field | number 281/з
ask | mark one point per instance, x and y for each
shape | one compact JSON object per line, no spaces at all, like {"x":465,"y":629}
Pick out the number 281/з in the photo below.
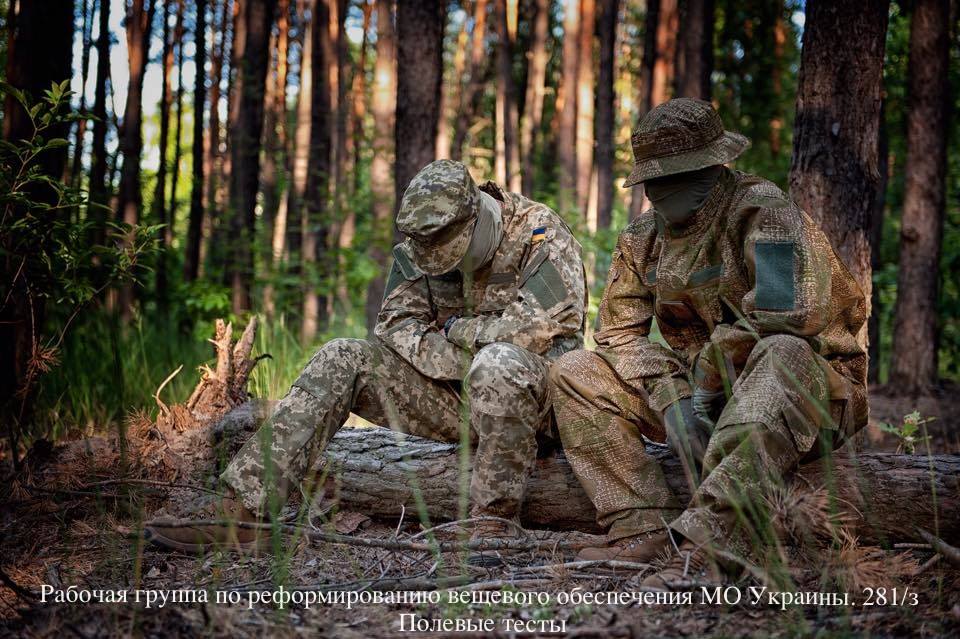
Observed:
{"x":890,"y":597}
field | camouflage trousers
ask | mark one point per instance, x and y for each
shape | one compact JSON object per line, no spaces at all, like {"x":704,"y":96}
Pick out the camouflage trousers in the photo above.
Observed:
{"x":771,"y":421}
{"x":503,"y":407}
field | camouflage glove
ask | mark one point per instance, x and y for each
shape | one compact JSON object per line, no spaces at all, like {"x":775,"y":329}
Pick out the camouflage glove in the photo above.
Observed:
{"x":687,"y":434}
{"x":706,"y":404}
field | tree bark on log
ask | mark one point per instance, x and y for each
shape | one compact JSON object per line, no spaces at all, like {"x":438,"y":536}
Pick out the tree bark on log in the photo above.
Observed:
{"x":378,"y":471}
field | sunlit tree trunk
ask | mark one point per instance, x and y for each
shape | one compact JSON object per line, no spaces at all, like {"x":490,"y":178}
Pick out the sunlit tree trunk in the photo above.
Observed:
{"x":450,"y":92}
{"x":191,"y":260}
{"x":913,"y":367}
{"x":130,"y":201}
{"x":567,"y":106}
{"x":300,"y":155}
{"x":76,"y":166}
{"x":638,"y":202}
{"x":314,"y":251}
{"x":585,"y":108}
{"x":470,"y":96}
{"x":668,"y":22}
{"x":779,"y":42}
{"x":696,"y":49}
{"x":178,"y":135}
{"x":381,"y":182}
{"x":251,"y":42}
{"x":98,"y":145}
{"x":359,"y":96}
{"x":506,"y":160}
{"x":609,"y":10}
{"x":536,"y":89}
{"x":213,"y":160}
{"x":159,"y":206}
{"x":834,"y":174}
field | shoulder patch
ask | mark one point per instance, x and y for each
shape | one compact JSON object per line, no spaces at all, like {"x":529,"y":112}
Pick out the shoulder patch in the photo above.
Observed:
{"x":774,"y":276}
{"x":538,"y":234}
{"x":546,"y":285}
{"x":405,"y":262}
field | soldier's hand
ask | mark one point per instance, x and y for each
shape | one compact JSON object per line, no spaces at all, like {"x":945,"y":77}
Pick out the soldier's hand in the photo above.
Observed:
{"x":705,"y":404}
{"x":687,"y":434}
{"x":449,"y":324}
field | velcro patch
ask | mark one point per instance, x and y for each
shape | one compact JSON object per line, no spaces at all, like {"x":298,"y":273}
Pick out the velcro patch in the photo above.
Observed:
{"x":775,"y":276}
{"x":407,"y":267}
{"x":704,"y":275}
{"x":396,"y":279}
{"x":546,"y":285}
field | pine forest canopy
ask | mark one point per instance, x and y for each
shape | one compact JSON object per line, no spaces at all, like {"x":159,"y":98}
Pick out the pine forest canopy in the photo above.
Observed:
{"x":238,"y":156}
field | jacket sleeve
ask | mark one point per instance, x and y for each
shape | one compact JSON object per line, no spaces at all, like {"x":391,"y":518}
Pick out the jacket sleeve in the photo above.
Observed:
{"x":789,"y":271}
{"x":406,"y":324}
{"x":550,"y":302}
{"x":623,"y":339}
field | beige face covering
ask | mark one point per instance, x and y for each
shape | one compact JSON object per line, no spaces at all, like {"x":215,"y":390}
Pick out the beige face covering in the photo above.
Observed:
{"x":677,"y":197}
{"x":487,"y":233}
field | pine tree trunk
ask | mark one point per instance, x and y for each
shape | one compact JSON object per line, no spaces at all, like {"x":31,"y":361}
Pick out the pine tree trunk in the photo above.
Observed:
{"x":191,"y":261}
{"x":76,"y":167}
{"x":668,"y":23}
{"x":130,"y":200}
{"x":536,"y":89}
{"x":913,"y":367}
{"x":506,"y":166}
{"x":645,"y":98}
{"x":178,"y":134}
{"x":381,"y":184}
{"x":696,"y":45}
{"x":359,"y":97}
{"x":609,"y":10}
{"x":470,"y":96}
{"x":251,"y":42}
{"x":876,"y":237}
{"x":567,"y":107}
{"x":420,"y":27}
{"x":98,"y":148}
{"x":835,"y":165}
{"x":300,"y":155}
{"x":585,"y":108}
{"x":159,"y":206}
{"x":316,"y":215}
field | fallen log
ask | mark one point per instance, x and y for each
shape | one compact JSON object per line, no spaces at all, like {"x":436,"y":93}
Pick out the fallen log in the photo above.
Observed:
{"x":380,"y":472}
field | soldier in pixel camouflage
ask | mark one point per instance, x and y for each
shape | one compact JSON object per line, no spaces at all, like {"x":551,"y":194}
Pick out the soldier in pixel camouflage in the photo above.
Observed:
{"x":485,"y":292}
{"x":759,"y":364}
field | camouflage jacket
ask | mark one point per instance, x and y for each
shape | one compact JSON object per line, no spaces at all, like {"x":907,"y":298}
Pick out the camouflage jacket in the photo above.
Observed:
{"x":532,"y":294}
{"x":749,"y":263}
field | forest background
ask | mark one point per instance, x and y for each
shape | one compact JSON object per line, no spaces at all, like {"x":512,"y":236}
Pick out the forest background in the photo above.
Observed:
{"x":144,"y":199}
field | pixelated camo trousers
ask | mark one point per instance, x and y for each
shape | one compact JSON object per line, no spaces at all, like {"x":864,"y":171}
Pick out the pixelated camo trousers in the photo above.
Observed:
{"x":504,"y":405}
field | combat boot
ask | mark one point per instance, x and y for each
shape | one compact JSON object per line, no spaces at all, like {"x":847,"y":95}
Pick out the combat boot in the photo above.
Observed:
{"x":200,"y":539}
{"x":637,"y":548}
{"x":692,"y":565}
{"x":492,"y":530}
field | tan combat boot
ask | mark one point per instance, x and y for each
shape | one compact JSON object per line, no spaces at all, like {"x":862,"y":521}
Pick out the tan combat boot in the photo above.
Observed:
{"x":200,"y":539}
{"x":637,"y":548}
{"x":491,"y":530}
{"x":692,"y":565}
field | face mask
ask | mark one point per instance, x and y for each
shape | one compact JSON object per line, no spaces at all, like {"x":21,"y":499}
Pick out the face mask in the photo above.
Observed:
{"x":487,"y":233}
{"x":677,"y":197}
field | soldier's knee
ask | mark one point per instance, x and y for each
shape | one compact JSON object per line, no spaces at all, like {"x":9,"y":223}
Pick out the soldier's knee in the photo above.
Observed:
{"x":787,"y":347}
{"x":571,"y":365}
{"x":344,"y":350}
{"x":341,"y":357}
{"x":500,"y":364}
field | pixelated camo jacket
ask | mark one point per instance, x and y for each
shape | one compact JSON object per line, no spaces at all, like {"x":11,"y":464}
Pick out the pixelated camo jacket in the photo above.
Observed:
{"x":749,"y":264}
{"x":533,"y":295}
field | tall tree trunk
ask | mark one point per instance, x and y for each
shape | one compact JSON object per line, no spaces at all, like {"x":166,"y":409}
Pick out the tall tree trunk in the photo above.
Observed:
{"x":876,"y":238}
{"x":76,"y":169}
{"x":450,"y":90}
{"x":913,"y":367}
{"x":381,"y":184}
{"x":506,"y":165}
{"x":300,"y":156}
{"x":251,"y":42}
{"x":645,"y":97}
{"x":696,"y":47}
{"x":359,"y":91}
{"x":191,"y":261}
{"x":419,"y":74}
{"x":178,"y":34}
{"x":609,"y":9}
{"x":567,"y":106}
{"x":536,"y":89}
{"x":585,"y":109}
{"x":779,"y":43}
{"x":213,"y":158}
{"x":98,"y":148}
{"x":39,"y":50}
{"x":158,"y":206}
{"x":343,"y":189}
{"x":834,"y":174}
{"x":470,"y":96}
{"x":130,"y":201}
{"x":668,"y":22}
{"x":316,"y":216}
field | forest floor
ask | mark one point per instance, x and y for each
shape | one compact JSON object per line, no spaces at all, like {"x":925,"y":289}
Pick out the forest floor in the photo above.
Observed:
{"x":65,"y":533}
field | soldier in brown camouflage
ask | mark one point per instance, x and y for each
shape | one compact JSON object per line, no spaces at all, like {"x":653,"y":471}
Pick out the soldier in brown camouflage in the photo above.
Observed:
{"x":485,"y":292}
{"x":757,"y":365}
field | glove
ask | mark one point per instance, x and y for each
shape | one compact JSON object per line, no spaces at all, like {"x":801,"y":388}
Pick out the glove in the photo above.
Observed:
{"x":688,"y":436}
{"x":449,"y":324}
{"x":705,"y":405}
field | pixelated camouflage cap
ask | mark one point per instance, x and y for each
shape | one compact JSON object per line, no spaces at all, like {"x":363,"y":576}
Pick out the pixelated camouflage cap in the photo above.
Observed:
{"x":683,"y":134}
{"x":437,"y":214}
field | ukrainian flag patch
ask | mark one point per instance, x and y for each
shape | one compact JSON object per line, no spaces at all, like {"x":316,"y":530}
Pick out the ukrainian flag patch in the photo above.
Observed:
{"x":538,"y":234}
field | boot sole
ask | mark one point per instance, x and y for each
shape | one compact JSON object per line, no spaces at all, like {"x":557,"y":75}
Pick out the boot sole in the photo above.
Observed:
{"x":261,"y":544}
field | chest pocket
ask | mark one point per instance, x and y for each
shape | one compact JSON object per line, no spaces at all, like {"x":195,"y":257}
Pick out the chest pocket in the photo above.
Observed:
{"x":446,"y":291}
{"x":501,"y":290}
{"x":703,"y":289}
